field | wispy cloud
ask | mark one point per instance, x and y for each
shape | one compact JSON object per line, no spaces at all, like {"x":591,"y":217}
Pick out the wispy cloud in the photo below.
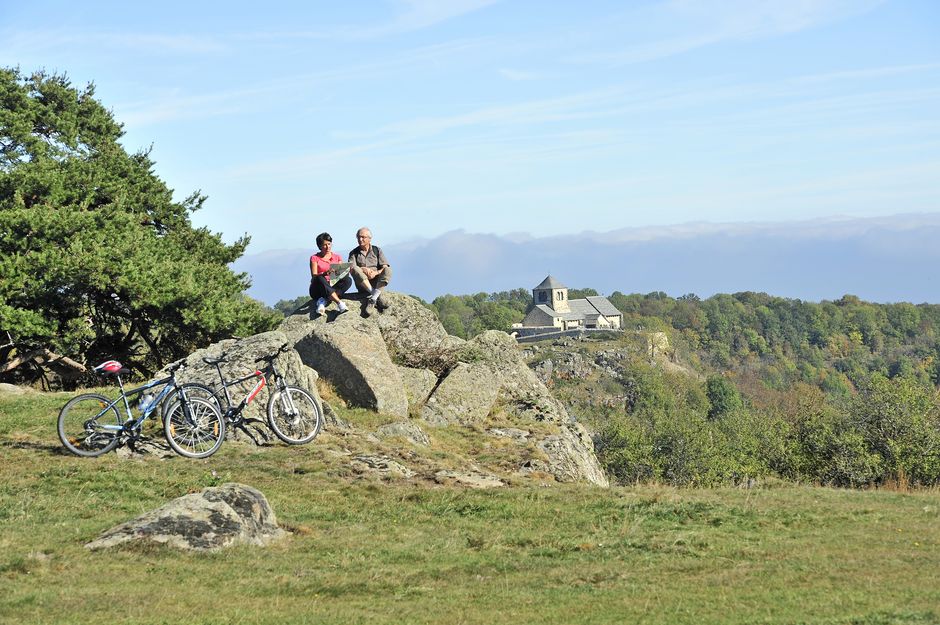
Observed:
{"x":37,"y":41}
{"x":419,"y":14}
{"x":175,"y":105}
{"x":291,"y":167}
{"x":408,"y":16}
{"x":679,"y":26}
{"x":528,"y":112}
{"x":769,"y":113}
{"x":517,"y":75}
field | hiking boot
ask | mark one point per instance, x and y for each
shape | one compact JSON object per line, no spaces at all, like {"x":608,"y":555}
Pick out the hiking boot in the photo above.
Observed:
{"x":367,"y":305}
{"x":321,"y":306}
{"x":380,"y":304}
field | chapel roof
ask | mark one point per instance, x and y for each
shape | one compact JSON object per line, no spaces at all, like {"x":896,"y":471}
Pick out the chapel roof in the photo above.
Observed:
{"x":551,"y":283}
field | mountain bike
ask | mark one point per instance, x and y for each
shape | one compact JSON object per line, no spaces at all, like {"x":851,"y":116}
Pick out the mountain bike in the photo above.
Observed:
{"x":293,"y":414}
{"x":91,"y":424}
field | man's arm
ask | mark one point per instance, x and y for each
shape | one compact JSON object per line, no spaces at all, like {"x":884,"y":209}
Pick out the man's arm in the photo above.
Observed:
{"x":368,"y":272}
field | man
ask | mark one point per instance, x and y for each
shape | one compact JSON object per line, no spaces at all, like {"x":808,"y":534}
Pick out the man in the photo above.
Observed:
{"x":370,"y":271}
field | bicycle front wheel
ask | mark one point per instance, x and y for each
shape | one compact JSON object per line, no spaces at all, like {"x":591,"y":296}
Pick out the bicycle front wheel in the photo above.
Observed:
{"x":198,"y":434}
{"x":82,"y":425}
{"x":294,"y":415}
{"x":193,"y":390}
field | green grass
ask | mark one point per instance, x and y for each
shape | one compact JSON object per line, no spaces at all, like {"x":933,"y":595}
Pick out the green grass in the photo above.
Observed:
{"x":366,"y":550}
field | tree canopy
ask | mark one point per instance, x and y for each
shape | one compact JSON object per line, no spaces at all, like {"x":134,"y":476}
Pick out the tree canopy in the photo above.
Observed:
{"x":98,"y":259}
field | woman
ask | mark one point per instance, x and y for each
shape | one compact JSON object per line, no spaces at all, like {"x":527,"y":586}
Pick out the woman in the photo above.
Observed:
{"x":320,"y":288}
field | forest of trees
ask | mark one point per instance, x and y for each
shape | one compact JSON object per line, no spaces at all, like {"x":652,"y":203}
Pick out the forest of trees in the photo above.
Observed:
{"x":833,"y":345}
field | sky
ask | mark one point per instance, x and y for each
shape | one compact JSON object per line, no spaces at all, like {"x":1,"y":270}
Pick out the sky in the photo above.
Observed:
{"x":421,"y":117}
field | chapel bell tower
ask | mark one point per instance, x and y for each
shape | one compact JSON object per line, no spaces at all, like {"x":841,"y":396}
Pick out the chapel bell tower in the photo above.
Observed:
{"x":553,"y":294}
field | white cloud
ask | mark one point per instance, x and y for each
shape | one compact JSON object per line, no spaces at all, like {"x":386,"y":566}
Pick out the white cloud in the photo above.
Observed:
{"x":174,"y":105}
{"x":409,"y":16}
{"x":40,"y":41}
{"x":683,"y":25}
{"x":517,"y":75}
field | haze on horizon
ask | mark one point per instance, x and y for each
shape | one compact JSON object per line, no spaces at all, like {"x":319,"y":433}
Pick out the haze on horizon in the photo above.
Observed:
{"x":419,"y":117}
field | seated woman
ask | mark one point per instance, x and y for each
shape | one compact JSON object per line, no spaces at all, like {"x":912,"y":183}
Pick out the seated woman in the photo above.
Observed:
{"x":320,"y":288}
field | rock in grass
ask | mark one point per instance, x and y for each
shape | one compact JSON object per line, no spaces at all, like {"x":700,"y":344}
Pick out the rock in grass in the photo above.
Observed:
{"x":12,"y":389}
{"x":381,"y":465}
{"x":212,"y":519}
{"x":406,"y":430}
{"x":471,"y":479}
{"x":567,"y":459}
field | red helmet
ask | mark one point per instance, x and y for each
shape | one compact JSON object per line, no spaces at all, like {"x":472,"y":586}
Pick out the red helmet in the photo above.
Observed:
{"x":108,"y":366}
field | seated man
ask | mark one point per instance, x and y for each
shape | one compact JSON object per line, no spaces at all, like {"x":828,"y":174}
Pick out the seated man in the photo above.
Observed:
{"x":370,"y":271}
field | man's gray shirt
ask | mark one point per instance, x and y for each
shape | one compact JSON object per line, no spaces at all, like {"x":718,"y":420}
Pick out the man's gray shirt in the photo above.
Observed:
{"x":375,"y":257}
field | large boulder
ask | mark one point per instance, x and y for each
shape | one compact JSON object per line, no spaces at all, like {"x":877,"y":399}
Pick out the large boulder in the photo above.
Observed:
{"x":518,"y":384}
{"x":465,"y":396}
{"x":485,"y":368}
{"x":214,"y":518}
{"x":241,"y":359}
{"x":418,"y":384}
{"x":414,"y":335}
{"x":349,"y":352}
{"x":570,"y":456}
{"x":446,"y":379}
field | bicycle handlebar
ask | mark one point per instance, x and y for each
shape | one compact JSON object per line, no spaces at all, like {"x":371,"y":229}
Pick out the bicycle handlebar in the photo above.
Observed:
{"x":282,"y":349}
{"x":171,"y":369}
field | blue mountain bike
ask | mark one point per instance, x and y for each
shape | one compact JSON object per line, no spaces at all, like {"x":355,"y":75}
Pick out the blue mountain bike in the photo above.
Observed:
{"x":92,"y":425}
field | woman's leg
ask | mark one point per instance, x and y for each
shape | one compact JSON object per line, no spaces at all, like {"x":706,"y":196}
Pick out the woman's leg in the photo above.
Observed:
{"x":338,"y":289}
{"x":320,"y":287}
{"x":342,"y":286}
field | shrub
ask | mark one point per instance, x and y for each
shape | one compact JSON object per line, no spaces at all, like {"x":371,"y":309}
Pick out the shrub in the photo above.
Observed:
{"x":898,"y":419}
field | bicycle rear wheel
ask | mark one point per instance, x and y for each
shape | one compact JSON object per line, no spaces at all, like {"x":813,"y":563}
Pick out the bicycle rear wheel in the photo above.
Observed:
{"x":294,"y":415}
{"x":81,"y":425}
{"x":198,"y":434}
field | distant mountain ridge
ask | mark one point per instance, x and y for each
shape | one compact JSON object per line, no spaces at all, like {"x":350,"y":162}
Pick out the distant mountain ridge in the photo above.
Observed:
{"x":882,"y":259}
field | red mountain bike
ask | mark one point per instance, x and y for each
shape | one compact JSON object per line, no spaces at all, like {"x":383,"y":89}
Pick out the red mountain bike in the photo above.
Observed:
{"x":293,"y":414}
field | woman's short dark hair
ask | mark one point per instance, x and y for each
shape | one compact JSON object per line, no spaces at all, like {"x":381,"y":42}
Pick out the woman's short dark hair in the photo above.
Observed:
{"x":323,"y":236}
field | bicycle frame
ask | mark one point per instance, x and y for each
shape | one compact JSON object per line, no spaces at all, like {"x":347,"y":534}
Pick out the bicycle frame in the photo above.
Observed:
{"x":262,"y":381}
{"x":134,"y":392}
{"x":232,"y":411}
{"x":130,"y":423}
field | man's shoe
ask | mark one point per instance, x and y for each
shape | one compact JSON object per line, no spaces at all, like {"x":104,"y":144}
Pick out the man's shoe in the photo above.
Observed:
{"x":380,"y":304}
{"x":367,"y":305}
{"x":321,"y":306}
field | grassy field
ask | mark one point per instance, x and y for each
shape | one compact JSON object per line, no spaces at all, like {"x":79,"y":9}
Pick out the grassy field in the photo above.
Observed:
{"x":366,"y":550}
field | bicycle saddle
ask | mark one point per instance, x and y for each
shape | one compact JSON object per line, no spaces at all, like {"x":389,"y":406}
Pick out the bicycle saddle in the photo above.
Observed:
{"x":214,"y":361}
{"x":111,"y":367}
